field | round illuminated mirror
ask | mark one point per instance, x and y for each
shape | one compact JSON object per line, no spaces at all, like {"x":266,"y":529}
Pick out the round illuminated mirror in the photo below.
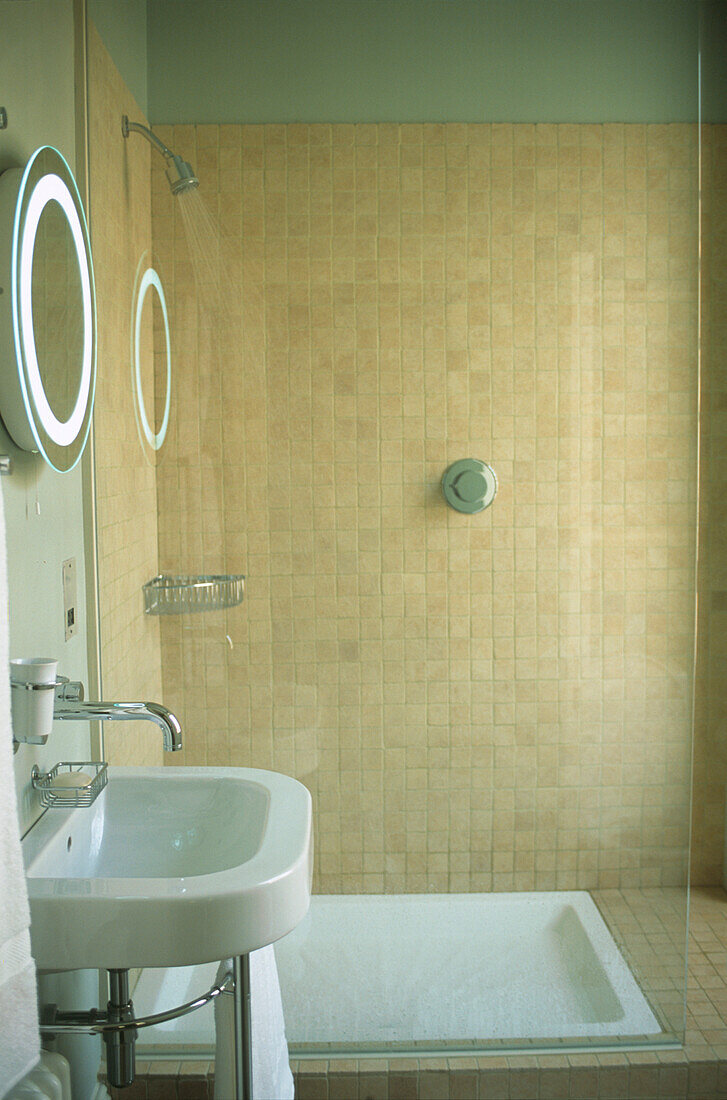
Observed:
{"x":47,"y":310}
{"x":151,"y":359}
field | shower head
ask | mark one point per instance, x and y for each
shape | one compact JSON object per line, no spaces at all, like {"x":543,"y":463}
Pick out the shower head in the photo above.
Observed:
{"x":179,"y":172}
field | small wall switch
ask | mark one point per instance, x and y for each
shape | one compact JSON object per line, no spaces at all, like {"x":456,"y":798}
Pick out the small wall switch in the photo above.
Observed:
{"x":70,"y":606}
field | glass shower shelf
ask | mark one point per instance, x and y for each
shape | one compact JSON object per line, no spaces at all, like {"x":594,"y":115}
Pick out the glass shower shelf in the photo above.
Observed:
{"x":171,"y":595}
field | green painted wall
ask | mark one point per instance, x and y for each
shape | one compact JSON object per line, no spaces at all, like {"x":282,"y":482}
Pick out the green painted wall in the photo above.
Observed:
{"x":43,"y":509}
{"x":122,"y":26}
{"x":713,"y":43}
{"x":422,"y":60}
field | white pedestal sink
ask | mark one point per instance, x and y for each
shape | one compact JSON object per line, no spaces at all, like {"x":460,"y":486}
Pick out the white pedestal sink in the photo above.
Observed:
{"x":170,"y":867}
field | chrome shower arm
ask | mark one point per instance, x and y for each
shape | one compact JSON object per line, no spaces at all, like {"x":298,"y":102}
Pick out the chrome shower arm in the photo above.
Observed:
{"x":127,"y":127}
{"x":180,"y":172}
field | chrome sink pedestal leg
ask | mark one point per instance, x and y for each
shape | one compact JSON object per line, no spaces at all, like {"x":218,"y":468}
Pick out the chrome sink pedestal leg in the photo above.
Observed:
{"x":120,"y":1057}
{"x":243,"y":1028}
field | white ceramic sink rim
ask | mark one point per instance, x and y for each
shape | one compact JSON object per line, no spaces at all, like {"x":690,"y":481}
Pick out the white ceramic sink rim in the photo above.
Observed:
{"x":99,"y":920}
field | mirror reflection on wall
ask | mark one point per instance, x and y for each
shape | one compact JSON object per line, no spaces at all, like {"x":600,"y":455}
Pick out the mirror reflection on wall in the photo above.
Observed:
{"x":151,"y":356}
{"x":57,"y":305}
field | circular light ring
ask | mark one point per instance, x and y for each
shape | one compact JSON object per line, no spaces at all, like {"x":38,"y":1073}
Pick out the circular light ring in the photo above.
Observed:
{"x":150,"y":279}
{"x":48,"y":178}
{"x":51,"y":188}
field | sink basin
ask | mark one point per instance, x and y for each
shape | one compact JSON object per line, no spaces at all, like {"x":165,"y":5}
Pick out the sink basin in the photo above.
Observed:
{"x":170,"y":867}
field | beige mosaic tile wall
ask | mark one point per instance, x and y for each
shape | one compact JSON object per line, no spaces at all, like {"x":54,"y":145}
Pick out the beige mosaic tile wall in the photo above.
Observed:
{"x":710,"y":743}
{"x":477,"y":703}
{"x":125,"y":479}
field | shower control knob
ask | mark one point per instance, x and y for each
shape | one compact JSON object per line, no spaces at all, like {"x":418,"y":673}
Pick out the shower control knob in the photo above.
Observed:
{"x":469,"y":485}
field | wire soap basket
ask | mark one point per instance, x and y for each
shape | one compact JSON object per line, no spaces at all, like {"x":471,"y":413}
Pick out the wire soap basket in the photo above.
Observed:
{"x":169,"y":595}
{"x":70,"y":783}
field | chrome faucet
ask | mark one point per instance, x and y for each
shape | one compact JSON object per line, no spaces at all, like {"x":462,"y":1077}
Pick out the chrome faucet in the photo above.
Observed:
{"x":70,"y":706}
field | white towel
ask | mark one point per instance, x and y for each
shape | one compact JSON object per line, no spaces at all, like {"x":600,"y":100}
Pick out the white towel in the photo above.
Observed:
{"x":271,"y":1076}
{"x":19,"y":1036}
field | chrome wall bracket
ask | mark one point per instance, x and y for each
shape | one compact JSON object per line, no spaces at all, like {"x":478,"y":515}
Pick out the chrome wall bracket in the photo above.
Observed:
{"x":96,"y":1022}
{"x":118,"y":1027}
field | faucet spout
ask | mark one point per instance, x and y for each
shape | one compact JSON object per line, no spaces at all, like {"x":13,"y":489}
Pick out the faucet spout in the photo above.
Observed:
{"x":70,"y":707}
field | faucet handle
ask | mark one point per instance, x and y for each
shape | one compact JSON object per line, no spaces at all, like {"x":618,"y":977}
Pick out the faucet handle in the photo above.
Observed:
{"x":69,"y":691}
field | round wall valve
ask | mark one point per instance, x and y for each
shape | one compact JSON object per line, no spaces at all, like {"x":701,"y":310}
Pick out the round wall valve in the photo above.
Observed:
{"x":469,"y":485}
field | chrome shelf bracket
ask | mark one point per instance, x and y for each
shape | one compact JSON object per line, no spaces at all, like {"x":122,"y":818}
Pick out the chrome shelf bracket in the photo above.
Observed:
{"x":118,"y":1027}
